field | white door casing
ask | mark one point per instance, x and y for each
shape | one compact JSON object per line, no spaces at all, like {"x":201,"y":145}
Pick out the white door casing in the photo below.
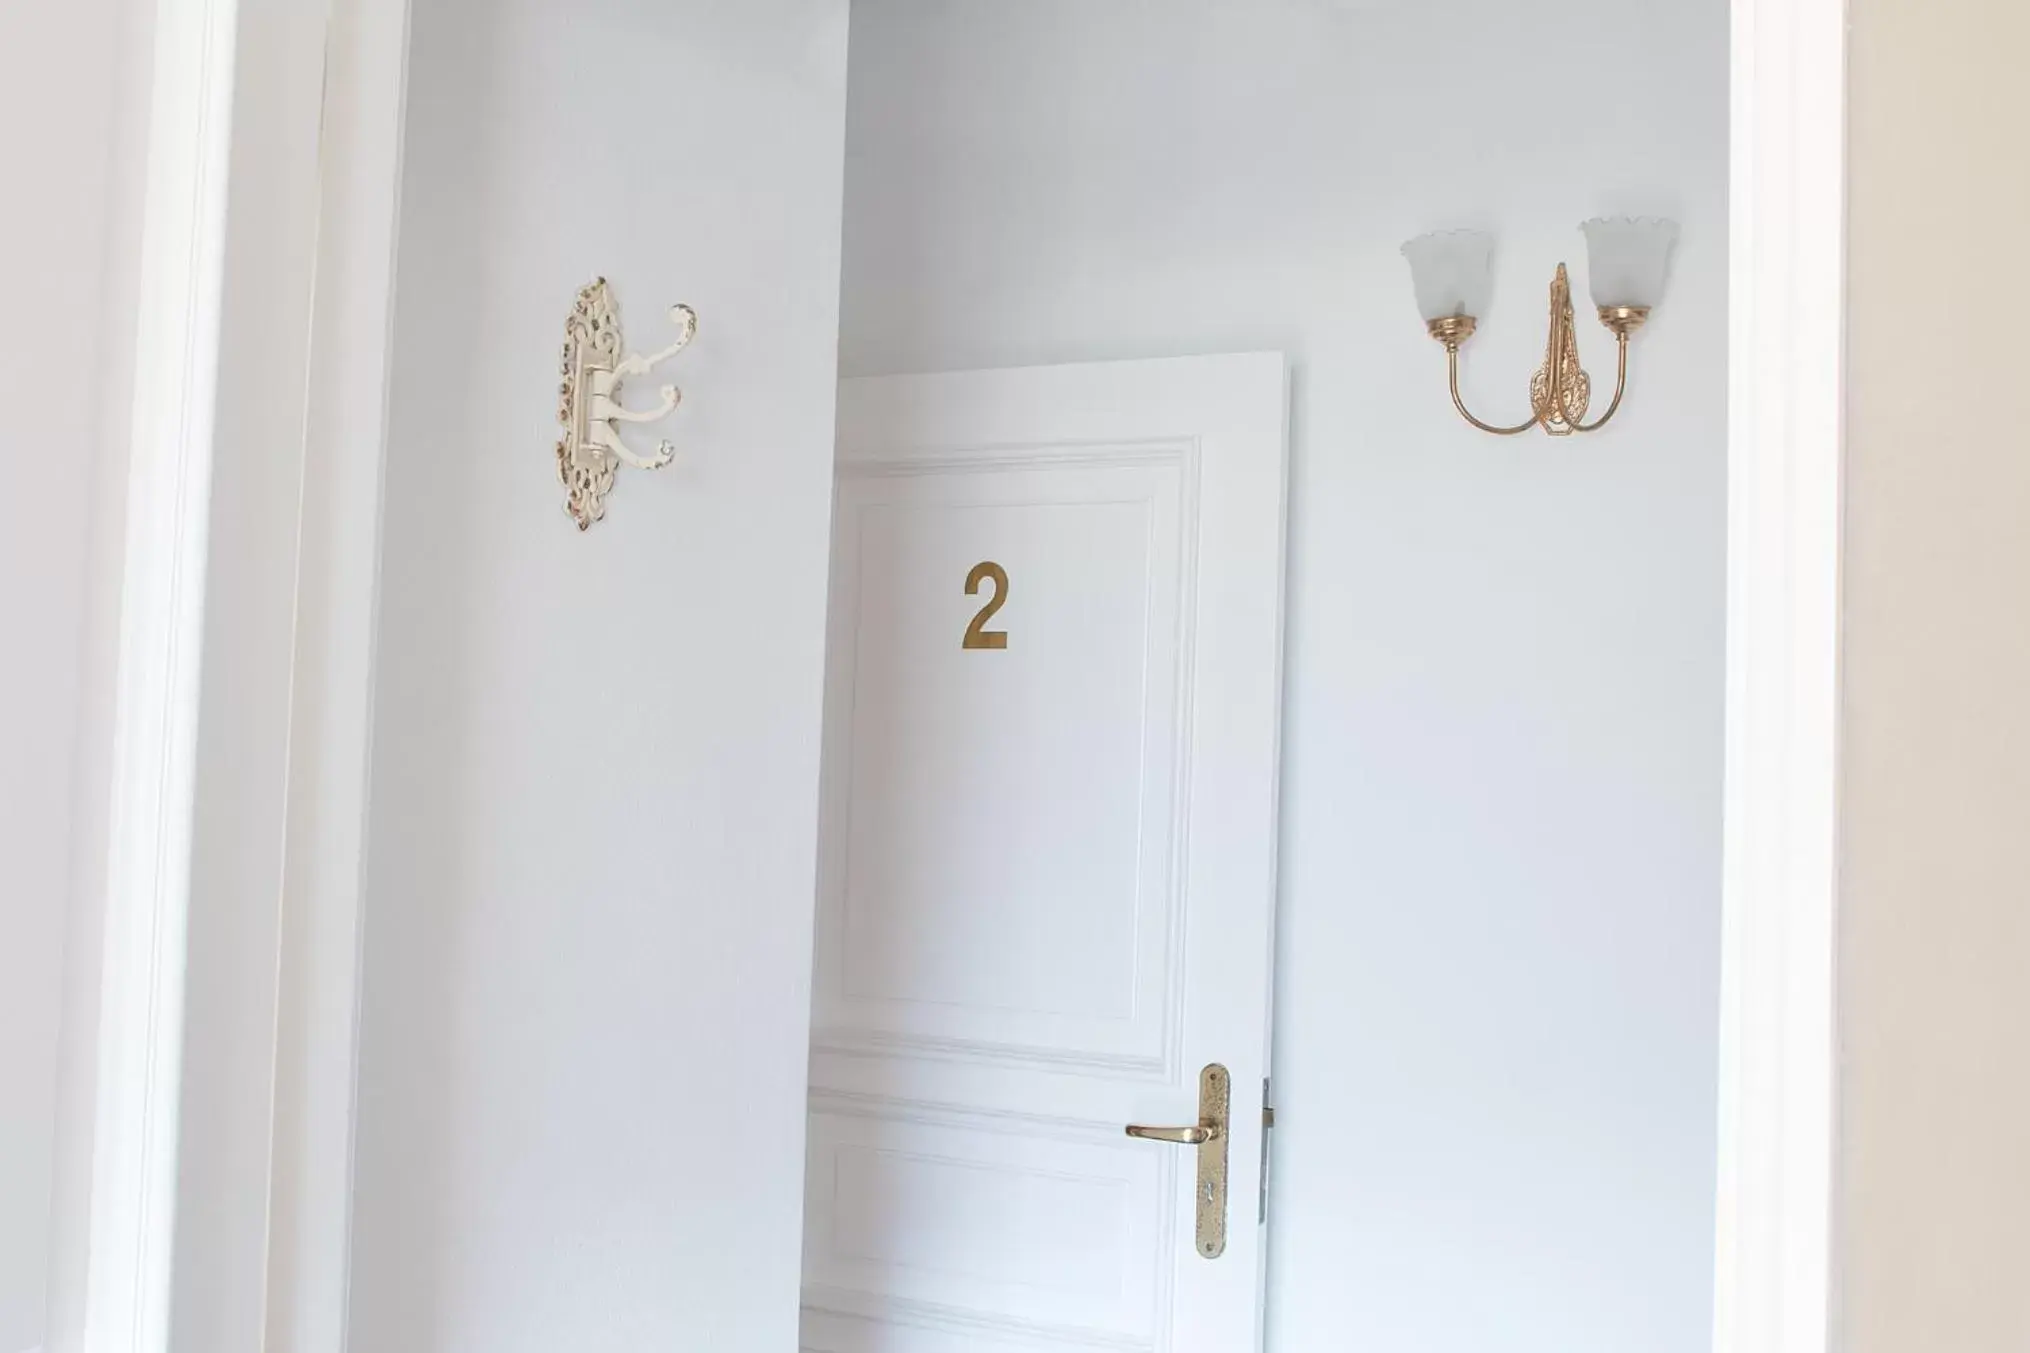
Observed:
{"x":1047,"y":869}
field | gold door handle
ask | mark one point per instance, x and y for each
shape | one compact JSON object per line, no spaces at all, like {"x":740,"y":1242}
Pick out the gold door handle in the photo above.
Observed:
{"x":1208,"y":1134}
{"x":1196,"y":1135}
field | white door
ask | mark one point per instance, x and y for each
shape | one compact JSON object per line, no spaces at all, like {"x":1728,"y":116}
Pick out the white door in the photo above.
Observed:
{"x":1047,"y":859}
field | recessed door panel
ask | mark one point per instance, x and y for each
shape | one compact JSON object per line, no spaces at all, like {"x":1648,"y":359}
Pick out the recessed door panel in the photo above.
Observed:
{"x":1002,"y":875}
{"x":949,"y":1215}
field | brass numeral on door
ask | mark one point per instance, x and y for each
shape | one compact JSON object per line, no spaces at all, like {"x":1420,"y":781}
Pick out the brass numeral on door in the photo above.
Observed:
{"x":977,"y":633}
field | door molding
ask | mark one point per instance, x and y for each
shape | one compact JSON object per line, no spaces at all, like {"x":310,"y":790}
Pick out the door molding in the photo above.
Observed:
{"x":345,"y":434}
{"x":1773,"y":1266}
{"x":249,"y":438}
{"x":114,"y":1211}
{"x":1773,"y":1270}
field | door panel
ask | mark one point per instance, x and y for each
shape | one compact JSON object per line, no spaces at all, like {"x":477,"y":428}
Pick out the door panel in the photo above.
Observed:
{"x":1046,"y":868}
{"x":1065,"y":744}
{"x":956,"y":1212}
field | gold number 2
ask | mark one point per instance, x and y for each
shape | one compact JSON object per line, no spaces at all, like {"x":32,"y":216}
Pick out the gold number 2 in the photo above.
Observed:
{"x":977,"y":635}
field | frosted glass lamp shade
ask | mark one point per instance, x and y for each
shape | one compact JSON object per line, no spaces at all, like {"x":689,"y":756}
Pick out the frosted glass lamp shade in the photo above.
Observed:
{"x":1452,"y":272}
{"x":1626,"y":259}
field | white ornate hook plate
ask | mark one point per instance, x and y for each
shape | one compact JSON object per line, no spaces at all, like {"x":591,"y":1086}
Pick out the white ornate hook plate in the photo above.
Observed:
{"x":588,"y":402}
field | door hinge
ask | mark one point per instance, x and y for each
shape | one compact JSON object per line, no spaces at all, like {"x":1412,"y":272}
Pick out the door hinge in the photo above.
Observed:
{"x":1268,"y":1123}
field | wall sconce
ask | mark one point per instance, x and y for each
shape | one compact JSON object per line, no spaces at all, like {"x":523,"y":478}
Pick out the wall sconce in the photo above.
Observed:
{"x":1626,"y":261}
{"x":588,"y":401}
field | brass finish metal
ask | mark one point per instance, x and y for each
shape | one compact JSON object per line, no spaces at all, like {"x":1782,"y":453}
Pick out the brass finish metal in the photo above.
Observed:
{"x":1623,"y":320}
{"x":1214,"y":1095}
{"x":1452,"y":368}
{"x":977,"y":635}
{"x":1180,"y":1136}
{"x":1452,"y":330}
{"x":1560,"y":389}
{"x":1620,"y":385}
{"x":1209,"y":1135}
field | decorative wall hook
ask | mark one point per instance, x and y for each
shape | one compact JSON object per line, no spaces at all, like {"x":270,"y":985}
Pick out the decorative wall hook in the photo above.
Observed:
{"x":1451,"y":273}
{"x":588,"y":401}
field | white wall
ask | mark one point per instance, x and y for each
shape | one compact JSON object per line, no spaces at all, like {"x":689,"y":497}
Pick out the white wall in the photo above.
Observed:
{"x":594,"y":771}
{"x":58,"y":370}
{"x":1934,"y":1210}
{"x":1495,"y":1056}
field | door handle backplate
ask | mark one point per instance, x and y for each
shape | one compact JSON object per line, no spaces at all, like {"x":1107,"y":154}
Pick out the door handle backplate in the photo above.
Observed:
{"x":1208,"y":1134}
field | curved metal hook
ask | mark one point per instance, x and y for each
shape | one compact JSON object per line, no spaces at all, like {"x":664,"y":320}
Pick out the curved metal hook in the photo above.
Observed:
{"x":671,"y":396}
{"x":636,"y":364}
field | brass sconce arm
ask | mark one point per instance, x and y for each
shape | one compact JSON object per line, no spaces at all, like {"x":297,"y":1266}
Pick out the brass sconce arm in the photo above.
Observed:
{"x":1452,"y":369}
{"x":1560,"y":389}
{"x":1620,"y":386}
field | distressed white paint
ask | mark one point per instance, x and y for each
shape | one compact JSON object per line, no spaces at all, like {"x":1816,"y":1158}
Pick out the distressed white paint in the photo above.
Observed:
{"x":1496,"y":1018}
{"x":1047,"y":871}
{"x":592,"y":819}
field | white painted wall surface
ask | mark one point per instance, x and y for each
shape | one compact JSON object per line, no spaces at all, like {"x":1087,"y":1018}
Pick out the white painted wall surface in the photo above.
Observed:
{"x":1496,"y":1019}
{"x":1934,"y":1211}
{"x":57,"y":240}
{"x":591,"y":846}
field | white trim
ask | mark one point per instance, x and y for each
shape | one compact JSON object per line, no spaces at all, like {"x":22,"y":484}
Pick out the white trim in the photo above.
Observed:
{"x":138,"y":1064}
{"x":1773,"y":1267}
{"x":309,"y":1259}
{"x":125,"y":200}
{"x":243,"y":748}
{"x":187,"y":1095}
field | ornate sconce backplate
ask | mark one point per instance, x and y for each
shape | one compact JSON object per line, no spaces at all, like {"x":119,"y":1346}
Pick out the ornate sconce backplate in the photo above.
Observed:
{"x":588,"y":401}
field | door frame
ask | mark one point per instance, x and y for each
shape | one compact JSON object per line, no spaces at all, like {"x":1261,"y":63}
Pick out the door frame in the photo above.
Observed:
{"x":1774,"y":1263}
{"x":291,"y":954}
